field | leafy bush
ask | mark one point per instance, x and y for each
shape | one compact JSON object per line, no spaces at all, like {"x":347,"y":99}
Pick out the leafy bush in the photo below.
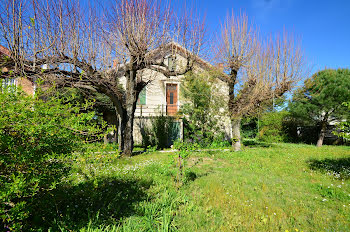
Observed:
{"x":284,"y":127}
{"x":343,"y":128}
{"x":201,"y":109}
{"x":185,"y":147}
{"x":272,"y":127}
{"x":33,"y":133}
{"x":249,"y":127}
{"x":220,"y":143}
{"x":160,"y":134}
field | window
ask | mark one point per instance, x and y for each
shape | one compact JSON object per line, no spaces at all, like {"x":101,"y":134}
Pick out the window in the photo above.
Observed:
{"x":171,"y":98}
{"x":171,"y":63}
{"x":142,"y":97}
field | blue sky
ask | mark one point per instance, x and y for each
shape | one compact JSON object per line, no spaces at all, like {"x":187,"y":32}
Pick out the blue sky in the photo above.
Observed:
{"x":323,"y":26}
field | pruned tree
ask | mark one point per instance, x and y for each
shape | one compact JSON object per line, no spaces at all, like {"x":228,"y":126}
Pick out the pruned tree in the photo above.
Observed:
{"x":257,"y":71}
{"x":107,"y":50}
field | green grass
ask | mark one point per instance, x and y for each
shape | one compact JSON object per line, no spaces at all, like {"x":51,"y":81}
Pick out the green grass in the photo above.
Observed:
{"x":266,"y":187}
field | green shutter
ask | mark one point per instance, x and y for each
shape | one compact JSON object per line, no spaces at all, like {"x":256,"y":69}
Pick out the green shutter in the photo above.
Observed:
{"x":142,"y":97}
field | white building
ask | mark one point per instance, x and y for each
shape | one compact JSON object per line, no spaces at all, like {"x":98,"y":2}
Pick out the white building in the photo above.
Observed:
{"x":162,"y":95}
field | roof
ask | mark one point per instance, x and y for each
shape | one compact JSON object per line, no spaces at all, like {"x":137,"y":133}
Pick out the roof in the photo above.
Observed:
{"x":177,"y":48}
{"x":4,"y":51}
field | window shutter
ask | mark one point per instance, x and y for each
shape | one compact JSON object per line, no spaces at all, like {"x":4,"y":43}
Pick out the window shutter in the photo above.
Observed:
{"x":142,"y":97}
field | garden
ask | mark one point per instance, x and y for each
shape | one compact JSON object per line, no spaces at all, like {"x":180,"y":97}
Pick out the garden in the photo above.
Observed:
{"x":265,"y":187}
{"x":84,"y":185}
{"x":257,"y":143}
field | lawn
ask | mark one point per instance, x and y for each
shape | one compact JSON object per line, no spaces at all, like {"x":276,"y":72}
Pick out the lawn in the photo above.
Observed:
{"x":265,"y":187}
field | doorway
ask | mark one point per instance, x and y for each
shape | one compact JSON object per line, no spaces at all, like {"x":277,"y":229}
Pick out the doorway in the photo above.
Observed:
{"x":171,"y":99}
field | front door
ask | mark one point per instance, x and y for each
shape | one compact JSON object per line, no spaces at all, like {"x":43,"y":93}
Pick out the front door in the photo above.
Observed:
{"x":171,"y":99}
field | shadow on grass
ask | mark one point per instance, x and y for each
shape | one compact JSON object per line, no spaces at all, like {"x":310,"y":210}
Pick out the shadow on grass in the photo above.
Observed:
{"x":103,"y":201}
{"x":339,"y":168}
{"x":256,"y":143}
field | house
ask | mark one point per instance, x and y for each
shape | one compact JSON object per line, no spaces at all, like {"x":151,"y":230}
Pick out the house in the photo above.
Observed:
{"x":26,"y":85}
{"x":162,"y":95}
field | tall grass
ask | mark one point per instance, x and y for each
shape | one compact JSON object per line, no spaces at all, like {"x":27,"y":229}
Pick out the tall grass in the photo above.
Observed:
{"x":274,"y":187}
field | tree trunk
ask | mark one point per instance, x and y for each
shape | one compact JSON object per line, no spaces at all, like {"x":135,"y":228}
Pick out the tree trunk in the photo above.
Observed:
{"x":235,"y":121}
{"x":127,"y":118}
{"x":126,"y":141}
{"x":322,"y":133}
{"x":119,"y":132}
{"x":236,"y":134}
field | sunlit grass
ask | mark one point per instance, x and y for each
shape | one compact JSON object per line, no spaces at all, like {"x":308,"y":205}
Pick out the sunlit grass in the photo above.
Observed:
{"x":272,"y":189}
{"x":265,"y":187}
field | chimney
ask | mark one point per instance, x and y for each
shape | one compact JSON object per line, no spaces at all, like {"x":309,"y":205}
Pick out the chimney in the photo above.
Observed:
{"x":115,"y":63}
{"x":220,"y":66}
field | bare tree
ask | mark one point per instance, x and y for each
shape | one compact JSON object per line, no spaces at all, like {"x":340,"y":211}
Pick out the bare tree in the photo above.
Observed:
{"x":258,"y":71}
{"x":87,"y":46}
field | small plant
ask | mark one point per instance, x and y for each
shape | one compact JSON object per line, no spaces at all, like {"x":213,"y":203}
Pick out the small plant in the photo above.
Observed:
{"x":184,"y":150}
{"x":220,"y":144}
{"x":151,"y":149}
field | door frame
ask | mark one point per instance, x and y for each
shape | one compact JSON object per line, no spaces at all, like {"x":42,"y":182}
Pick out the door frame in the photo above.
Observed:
{"x":178,"y":83}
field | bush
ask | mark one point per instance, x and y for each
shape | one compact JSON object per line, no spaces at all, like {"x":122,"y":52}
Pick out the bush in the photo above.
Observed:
{"x":249,"y":127}
{"x":272,"y":127}
{"x":343,"y":128}
{"x":33,"y":133}
{"x":202,"y":109}
{"x":162,"y":132}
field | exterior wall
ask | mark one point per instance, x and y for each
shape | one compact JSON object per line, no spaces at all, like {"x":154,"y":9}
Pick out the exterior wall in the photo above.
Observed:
{"x":27,"y":86}
{"x":224,"y":121}
{"x":156,"y":98}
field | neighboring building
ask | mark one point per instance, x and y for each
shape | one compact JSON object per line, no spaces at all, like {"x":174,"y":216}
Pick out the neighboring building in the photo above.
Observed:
{"x":26,"y":85}
{"x":162,"y":95}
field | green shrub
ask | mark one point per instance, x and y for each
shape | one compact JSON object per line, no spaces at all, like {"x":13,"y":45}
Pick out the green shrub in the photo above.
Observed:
{"x":272,"y":127}
{"x":162,"y":132}
{"x":33,"y":133}
{"x":343,"y":128}
{"x":202,"y":109}
{"x":249,"y":127}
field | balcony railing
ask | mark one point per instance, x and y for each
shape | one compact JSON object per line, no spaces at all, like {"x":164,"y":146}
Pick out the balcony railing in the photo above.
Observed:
{"x":156,"y":110}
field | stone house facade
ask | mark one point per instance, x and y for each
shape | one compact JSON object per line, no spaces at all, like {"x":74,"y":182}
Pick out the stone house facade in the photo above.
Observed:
{"x":162,"y":96}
